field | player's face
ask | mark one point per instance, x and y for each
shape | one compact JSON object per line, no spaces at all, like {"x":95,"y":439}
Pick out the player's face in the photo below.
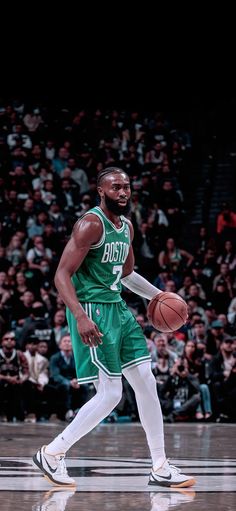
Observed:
{"x":115,"y":192}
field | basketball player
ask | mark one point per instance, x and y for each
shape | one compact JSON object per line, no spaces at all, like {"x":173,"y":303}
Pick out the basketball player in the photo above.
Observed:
{"x":107,"y":340}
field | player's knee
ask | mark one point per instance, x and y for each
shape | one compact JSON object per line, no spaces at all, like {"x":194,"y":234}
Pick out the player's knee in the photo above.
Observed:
{"x":146,"y":374}
{"x":114,"y":392}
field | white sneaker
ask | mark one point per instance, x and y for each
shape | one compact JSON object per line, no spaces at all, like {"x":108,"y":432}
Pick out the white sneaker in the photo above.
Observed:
{"x":54,"y":500}
{"x":53,"y":467}
{"x":170,"y":476}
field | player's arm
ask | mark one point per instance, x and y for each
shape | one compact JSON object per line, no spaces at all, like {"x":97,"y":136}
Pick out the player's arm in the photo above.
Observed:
{"x":132,"y":280}
{"x":86,"y":232}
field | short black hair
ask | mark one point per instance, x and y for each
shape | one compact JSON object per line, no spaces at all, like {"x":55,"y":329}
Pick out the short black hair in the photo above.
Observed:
{"x":109,"y":170}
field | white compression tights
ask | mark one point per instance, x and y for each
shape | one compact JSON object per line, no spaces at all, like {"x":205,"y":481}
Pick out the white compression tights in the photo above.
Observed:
{"x":107,"y":397}
{"x":109,"y":392}
{"x":143,"y":383}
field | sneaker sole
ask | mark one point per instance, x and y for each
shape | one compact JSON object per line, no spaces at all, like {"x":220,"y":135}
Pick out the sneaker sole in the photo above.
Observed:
{"x":184,"y":484}
{"x":49,"y":477}
{"x":60,"y":485}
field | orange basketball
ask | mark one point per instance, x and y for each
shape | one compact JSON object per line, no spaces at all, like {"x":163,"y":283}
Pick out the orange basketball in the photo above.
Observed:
{"x":167,"y":312}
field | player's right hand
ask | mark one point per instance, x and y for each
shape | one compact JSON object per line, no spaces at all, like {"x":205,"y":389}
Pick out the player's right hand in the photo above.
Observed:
{"x":89,"y":332}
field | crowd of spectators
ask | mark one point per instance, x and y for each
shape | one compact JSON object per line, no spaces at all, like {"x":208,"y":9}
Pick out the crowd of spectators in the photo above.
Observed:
{"x":49,"y":160}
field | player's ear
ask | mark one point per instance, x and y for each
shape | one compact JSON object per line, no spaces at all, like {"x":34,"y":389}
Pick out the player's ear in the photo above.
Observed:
{"x":100,"y":191}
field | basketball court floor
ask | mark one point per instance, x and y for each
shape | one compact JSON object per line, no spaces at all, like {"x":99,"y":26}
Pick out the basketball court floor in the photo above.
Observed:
{"x":111,"y":467}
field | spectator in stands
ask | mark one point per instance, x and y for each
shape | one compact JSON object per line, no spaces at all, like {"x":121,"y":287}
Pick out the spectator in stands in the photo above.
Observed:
{"x":170,"y":202}
{"x":84,"y":206}
{"x":19,"y":138}
{"x":42,"y":348}
{"x":196,"y":291}
{"x":21,"y":285}
{"x":37,"y":253}
{"x":6,"y":297}
{"x":39,"y":205}
{"x":221,"y":296}
{"x":48,"y":297}
{"x":197,"y":368}
{"x":23,"y":308}
{"x":43,"y":175}
{"x":174,"y":343}
{"x":209,"y":264}
{"x":226,"y":222}
{"x":232,"y":312}
{"x":38,"y":225}
{"x":223,"y":375}
{"x":164,"y":358}
{"x":228,"y":255}
{"x":52,"y":240}
{"x":78,"y":175}
{"x":59,"y":329}
{"x":37,"y":394}
{"x":146,"y":253}
{"x":225,"y":276}
{"x":32,"y":120}
{"x":182,"y":392}
{"x":158,"y":220}
{"x":136,"y":209}
{"x":70,"y":395}
{"x":229,"y":330}
{"x":50,"y":150}
{"x":200,"y":279}
{"x":48,"y":192}
{"x":199,"y":333}
{"x":61,"y":161}
{"x":172,"y":254}
{"x":195,"y":308}
{"x":203,"y":242}
{"x":215,"y":336}
{"x":184,"y":290}
{"x":36,"y":324}
{"x":210,"y":313}
{"x":162,"y":278}
{"x":4,"y":263}
{"x":35,"y":160}
{"x":69,"y":195}
{"x":170,"y":286}
{"x":56,"y":217}
{"x":13,"y":373}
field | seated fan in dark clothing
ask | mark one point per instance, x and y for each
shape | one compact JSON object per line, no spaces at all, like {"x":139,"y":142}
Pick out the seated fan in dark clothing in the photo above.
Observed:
{"x":70,"y":395}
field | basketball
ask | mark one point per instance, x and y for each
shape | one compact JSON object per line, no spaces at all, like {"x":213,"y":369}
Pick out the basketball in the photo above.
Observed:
{"x":167,"y":312}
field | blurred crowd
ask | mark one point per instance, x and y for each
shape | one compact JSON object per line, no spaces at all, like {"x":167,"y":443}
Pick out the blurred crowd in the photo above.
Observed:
{"x":49,"y":160}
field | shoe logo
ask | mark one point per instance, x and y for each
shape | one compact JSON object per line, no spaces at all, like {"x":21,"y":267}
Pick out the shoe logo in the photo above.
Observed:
{"x":53,"y":470}
{"x":164,"y":477}
{"x":109,"y":232}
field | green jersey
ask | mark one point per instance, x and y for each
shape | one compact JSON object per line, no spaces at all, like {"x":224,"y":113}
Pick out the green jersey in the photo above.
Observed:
{"x":98,"y":278}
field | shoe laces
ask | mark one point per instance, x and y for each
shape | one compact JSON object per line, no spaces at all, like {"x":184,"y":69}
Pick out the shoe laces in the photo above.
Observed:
{"x":173,"y":468}
{"x":62,"y":470}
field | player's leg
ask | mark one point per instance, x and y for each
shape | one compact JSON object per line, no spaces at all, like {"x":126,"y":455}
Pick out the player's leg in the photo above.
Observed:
{"x":143,"y":382}
{"x":108,"y":395}
{"x":50,"y":458}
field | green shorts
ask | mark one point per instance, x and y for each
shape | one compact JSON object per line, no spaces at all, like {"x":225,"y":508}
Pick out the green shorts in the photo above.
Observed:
{"x":123,"y":342}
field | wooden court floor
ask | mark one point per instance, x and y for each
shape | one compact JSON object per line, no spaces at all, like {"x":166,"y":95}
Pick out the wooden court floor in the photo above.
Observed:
{"x":111,"y":466}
